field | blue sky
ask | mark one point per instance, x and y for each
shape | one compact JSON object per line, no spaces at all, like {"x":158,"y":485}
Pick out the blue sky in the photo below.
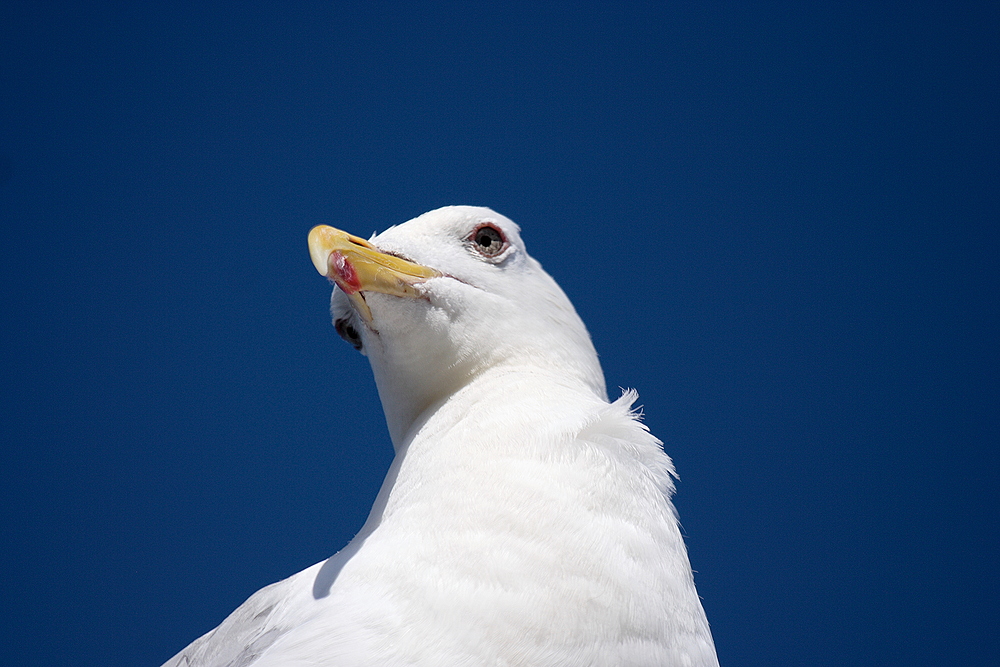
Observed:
{"x":779,"y":223}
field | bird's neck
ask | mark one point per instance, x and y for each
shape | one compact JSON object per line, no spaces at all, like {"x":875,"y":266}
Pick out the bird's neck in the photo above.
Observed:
{"x":538,"y":483}
{"x":498,"y":415}
{"x":506,"y":390}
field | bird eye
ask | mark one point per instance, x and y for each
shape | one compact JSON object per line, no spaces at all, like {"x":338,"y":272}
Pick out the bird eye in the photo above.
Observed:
{"x":347,"y":331}
{"x":488,"y":241}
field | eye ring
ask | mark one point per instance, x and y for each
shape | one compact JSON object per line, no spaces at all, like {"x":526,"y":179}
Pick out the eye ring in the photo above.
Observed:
{"x":487,"y":240}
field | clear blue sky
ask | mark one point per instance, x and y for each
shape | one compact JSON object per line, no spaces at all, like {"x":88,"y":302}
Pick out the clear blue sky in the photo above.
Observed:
{"x":780,"y":223}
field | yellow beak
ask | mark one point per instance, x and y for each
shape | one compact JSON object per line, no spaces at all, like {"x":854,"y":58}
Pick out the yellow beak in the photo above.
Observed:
{"x":357,"y":266}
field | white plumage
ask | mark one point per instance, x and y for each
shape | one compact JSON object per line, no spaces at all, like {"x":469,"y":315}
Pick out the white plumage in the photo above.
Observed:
{"x":525,"y":520}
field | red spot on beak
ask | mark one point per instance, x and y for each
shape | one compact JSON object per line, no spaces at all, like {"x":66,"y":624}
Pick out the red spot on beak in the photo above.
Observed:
{"x":343,"y":273}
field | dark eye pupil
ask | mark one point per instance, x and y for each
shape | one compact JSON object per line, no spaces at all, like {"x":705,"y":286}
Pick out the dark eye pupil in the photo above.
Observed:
{"x":486,"y":237}
{"x":490,"y":241}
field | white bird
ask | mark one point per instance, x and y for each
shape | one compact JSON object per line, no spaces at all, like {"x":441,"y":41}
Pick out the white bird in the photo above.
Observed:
{"x":525,"y":520}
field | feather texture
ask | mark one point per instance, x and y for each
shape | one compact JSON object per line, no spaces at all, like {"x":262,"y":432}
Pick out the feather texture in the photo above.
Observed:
{"x":525,"y":520}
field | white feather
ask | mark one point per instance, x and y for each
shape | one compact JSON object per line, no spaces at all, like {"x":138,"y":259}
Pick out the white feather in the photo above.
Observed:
{"x":524,"y":521}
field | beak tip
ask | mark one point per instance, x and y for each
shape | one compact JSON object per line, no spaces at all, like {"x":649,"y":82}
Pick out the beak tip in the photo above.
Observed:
{"x":320,"y":248}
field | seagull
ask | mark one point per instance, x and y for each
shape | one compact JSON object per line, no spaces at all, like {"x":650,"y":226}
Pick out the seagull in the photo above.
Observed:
{"x":525,"y":519}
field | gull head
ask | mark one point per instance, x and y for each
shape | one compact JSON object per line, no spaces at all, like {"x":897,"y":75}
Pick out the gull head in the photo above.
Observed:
{"x":436,"y":302}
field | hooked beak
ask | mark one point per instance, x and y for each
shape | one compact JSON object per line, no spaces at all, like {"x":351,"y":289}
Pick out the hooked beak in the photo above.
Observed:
{"x":357,"y":267}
